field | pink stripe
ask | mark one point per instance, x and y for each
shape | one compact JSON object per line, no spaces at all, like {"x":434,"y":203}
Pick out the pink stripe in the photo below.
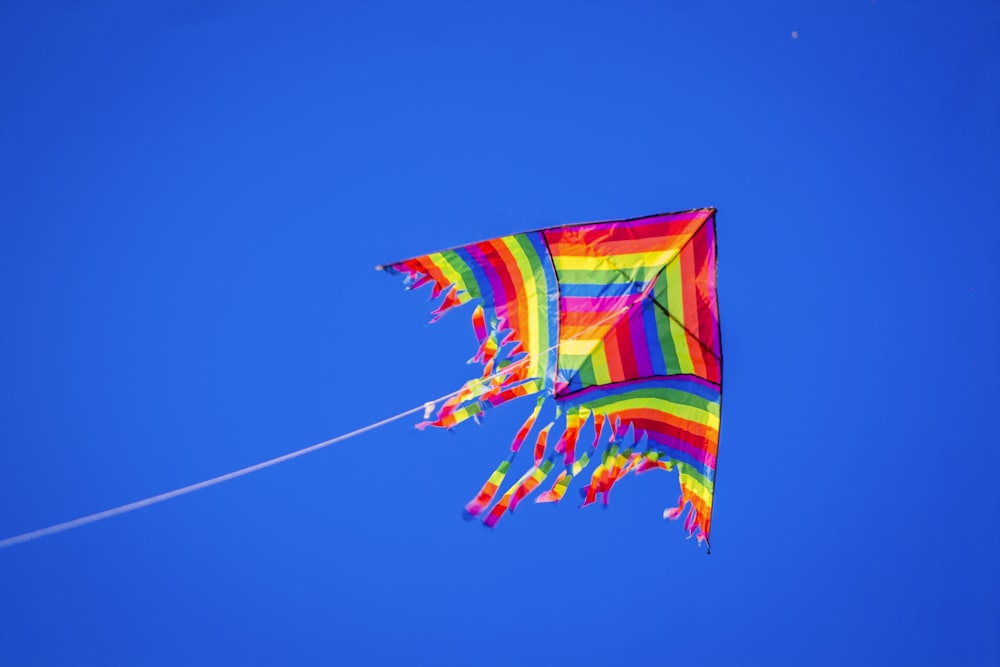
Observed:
{"x":586,"y":304}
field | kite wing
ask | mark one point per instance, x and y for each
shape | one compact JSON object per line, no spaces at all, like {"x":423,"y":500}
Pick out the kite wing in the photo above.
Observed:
{"x":617,"y":320}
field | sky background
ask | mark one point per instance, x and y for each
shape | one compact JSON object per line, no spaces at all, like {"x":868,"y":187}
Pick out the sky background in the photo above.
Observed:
{"x":194,"y":196}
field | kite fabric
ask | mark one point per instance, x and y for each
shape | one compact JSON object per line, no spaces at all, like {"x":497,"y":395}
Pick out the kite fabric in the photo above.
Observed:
{"x":617,"y":321}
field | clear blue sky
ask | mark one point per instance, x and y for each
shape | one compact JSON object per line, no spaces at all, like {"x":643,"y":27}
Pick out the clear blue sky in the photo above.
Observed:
{"x":194,"y":196}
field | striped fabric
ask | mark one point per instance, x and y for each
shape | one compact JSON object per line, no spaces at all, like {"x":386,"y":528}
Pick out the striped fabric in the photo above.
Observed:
{"x":674,"y":419}
{"x":636,"y":299}
{"x":616,"y":319}
{"x":513,"y":277}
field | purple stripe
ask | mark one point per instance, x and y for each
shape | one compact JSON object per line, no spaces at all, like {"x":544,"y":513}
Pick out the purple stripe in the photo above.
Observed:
{"x":706,"y":389}
{"x":490,"y":271}
{"x":678,"y":445}
{"x":640,"y":346}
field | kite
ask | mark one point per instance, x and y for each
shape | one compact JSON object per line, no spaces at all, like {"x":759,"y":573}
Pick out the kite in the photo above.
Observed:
{"x":616,"y":321}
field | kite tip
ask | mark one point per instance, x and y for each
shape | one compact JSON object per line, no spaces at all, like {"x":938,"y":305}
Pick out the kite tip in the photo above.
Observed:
{"x":380,"y":267}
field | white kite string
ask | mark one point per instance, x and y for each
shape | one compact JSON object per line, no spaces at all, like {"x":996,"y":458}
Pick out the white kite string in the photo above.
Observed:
{"x":184,"y":490}
{"x":191,"y":488}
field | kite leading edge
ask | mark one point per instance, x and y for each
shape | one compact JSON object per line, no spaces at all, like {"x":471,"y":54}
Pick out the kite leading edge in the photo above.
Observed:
{"x":615,"y":320}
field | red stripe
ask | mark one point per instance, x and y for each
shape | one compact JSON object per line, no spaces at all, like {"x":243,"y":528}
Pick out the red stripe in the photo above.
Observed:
{"x":699,"y":285}
{"x":500,"y":260}
{"x":623,"y":335}
{"x":497,"y":265}
{"x":689,"y":298}
{"x":426,"y":265}
{"x":521,"y":492}
{"x":661,"y":232}
{"x":613,"y":356}
{"x":707,"y":305}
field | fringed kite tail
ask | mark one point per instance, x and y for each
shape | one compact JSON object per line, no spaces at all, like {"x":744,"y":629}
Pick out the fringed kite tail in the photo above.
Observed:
{"x":499,"y":335}
{"x":558,"y":489}
{"x":475,"y":507}
{"x":627,"y":450}
{"x":485,"y":496}
{"x":525,"y":429}
{"x":533,"y":479}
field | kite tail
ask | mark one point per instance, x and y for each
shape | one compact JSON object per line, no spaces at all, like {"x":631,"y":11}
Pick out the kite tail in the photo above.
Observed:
{"x":575,"y":419}
{"x":478,"y":321}
{"x":534,"y":479}
{"x":530,"y":480}
{"x":558,"y":489}
{"x":500,"y":508}
{"x":452,"y":298}
{"x":506,"y":372}
{"x":599,"y":478}
{"x":625,"y":453}
{"x":485,"y":496}
{"x":540,"y":443}
{"x":526,"y":427}
{"x":599,"y":419}
{"x":477,"y":505}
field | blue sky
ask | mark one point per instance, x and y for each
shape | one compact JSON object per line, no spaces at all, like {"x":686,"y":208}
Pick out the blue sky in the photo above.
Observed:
{"x":194,"y":198}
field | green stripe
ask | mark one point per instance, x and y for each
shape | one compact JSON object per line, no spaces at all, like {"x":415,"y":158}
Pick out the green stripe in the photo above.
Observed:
{"x":695,"y":476}
{"x":663,"y":326}
{"x":606,"y":276}
{"x":655,"y":398}
{"x":675,"y":306}
{"x":539,"y":315}
{"x":467,"y":279}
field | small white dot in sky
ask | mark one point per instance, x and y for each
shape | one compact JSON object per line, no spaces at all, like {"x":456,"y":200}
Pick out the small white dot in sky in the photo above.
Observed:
{"x":795,"y":34}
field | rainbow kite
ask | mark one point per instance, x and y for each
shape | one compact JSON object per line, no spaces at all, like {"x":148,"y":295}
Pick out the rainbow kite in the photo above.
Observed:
{"x":616,"y":320}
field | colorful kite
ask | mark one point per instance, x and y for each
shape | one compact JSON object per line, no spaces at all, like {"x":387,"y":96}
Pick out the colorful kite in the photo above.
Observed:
{"x":617,"y":320}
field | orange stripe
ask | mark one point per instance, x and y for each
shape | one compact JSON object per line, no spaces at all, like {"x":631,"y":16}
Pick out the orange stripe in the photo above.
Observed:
{"x":581,"y":318}
{"x":589,"y":332}
{"x":700,"y":506}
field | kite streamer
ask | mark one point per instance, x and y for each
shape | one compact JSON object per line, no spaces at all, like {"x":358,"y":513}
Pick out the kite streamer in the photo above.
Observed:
{"x":615,"y":320}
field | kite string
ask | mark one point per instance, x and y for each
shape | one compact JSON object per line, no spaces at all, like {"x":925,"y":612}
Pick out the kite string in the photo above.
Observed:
{"x":197,"y":486}
{"x":184,"y":490}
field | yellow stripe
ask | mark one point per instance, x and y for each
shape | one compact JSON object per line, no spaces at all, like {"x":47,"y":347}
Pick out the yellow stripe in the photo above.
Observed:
{"x":583,"y":347}
{"x":601,"y":373}
{"x":688,"y":412}
{"x":448,"y":269}
{"x":691,"y":484}
{"x":681,"y":348}
{"x":625,"y":262}
{"x":530,"y":339}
